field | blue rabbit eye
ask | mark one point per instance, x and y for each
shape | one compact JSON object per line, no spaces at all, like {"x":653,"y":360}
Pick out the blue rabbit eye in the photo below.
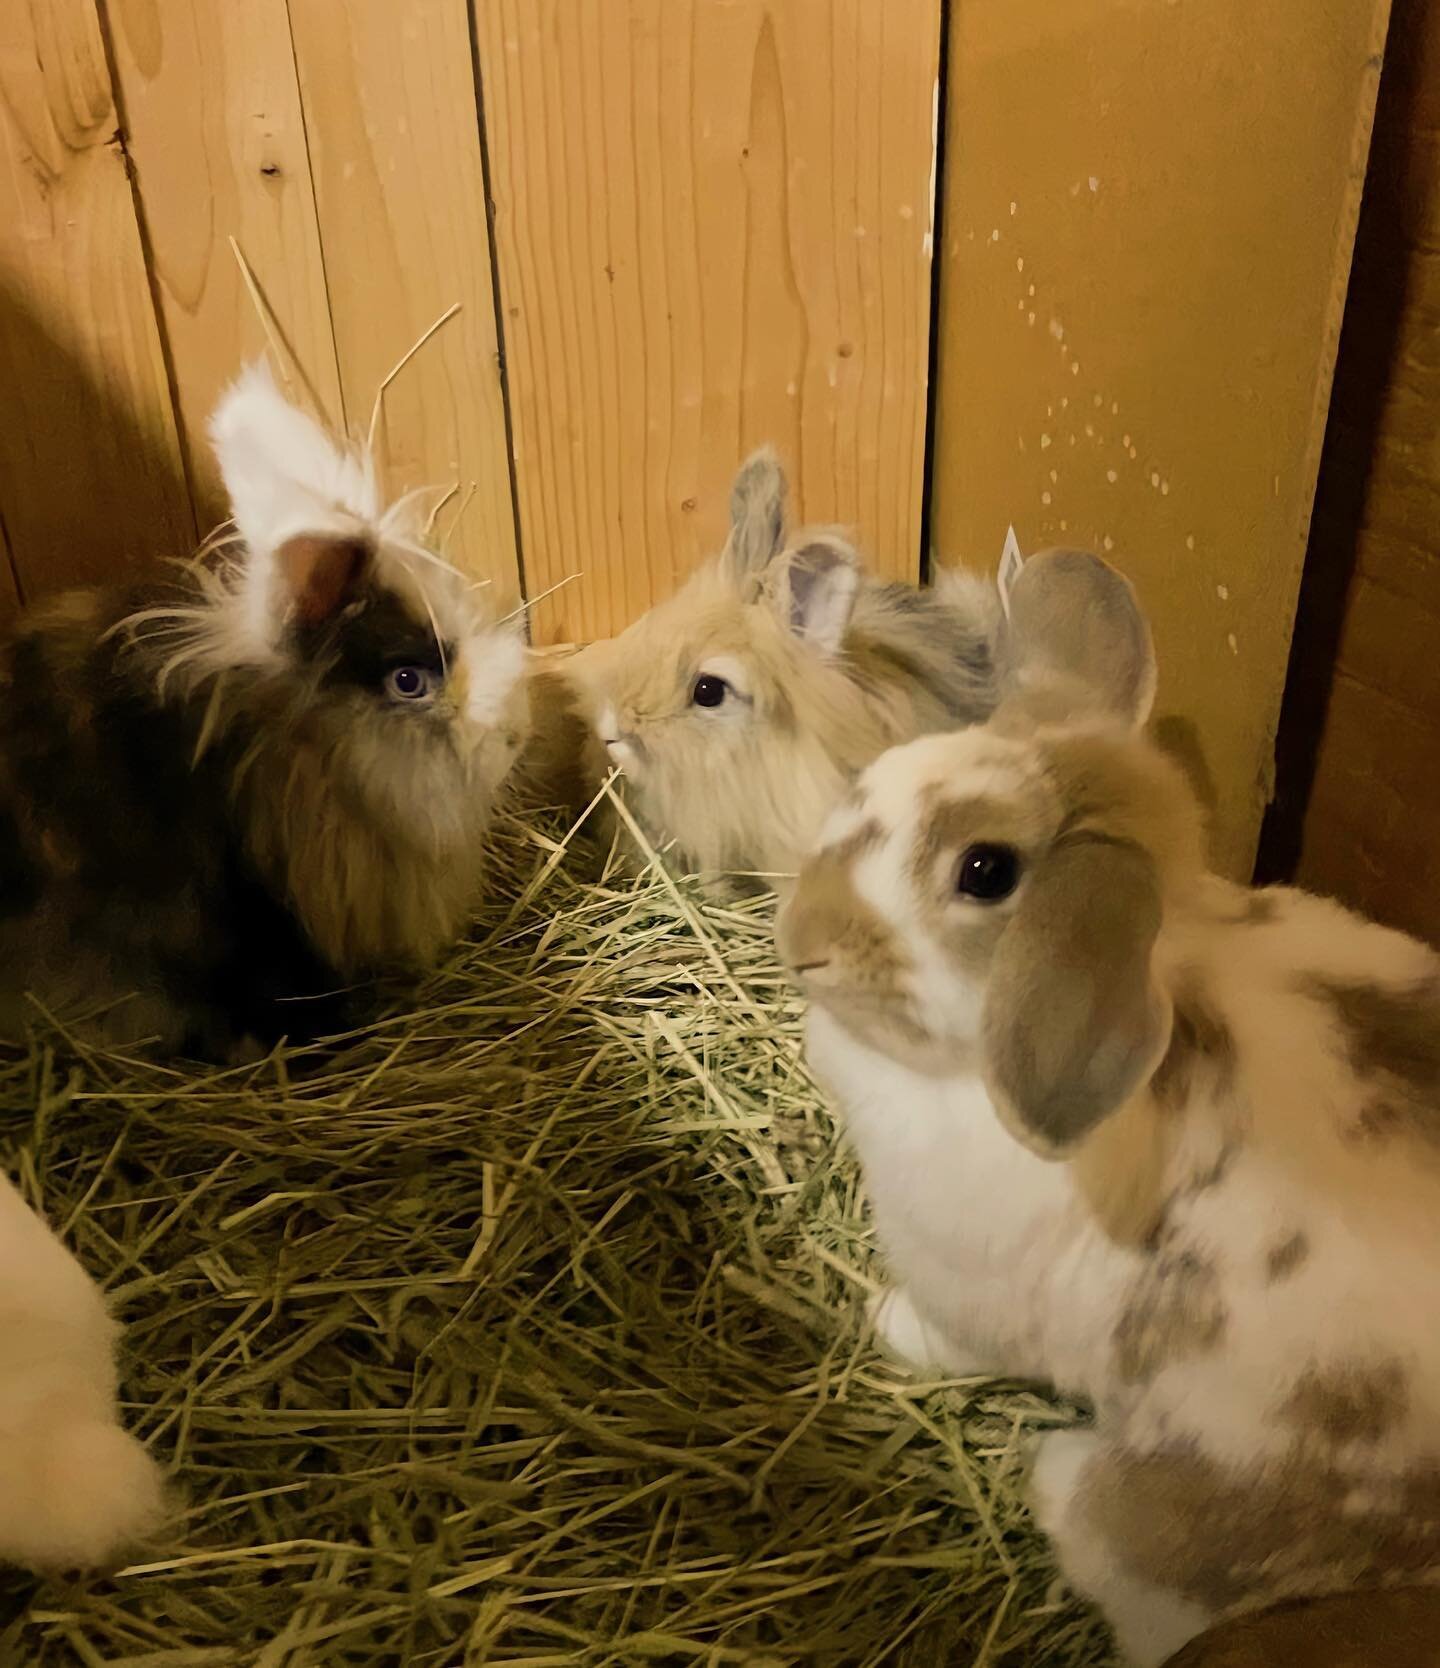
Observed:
{"x":410,"y":683}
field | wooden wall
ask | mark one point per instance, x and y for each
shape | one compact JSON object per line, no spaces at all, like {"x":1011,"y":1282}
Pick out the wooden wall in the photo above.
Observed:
{"x":712,"y":225}
{"x":678,"y":228}
{"x":1363,"y":719}
{"x":1148,"y":218}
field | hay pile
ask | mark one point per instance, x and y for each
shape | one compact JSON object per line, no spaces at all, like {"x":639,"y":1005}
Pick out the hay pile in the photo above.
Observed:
{"x":526,"y":1330}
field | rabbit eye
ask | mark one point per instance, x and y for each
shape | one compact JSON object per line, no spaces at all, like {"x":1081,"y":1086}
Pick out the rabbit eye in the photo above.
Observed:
{"x":708,"y":690}
{"x":988,"y":873}
{"x":410,"y":683}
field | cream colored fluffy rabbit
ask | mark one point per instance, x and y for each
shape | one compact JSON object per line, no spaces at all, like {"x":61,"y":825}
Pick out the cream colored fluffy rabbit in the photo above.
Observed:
{"x":741,"y":709}
{"x":75,"y":1489}
{"x":1169,"y":1143}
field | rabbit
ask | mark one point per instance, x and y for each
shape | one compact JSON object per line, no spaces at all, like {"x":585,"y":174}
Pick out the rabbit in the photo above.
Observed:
{"x":1398,"y":1627}
{"x":740,"y":709}
{"x":75,"y":1490}
{"x":226,"y":796}
{"x":1169,"y":1143}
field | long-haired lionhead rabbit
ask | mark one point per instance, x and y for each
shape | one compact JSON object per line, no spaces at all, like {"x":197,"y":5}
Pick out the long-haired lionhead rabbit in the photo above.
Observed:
{"x":234,"y":792}
{"x":75,"y":1489}
{"x":1167,"y":1142}
{"x":741,"y":709}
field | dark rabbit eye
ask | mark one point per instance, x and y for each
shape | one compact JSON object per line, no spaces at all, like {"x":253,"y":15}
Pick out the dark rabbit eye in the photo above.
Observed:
{"x":709,"y":691}
{"x":410,"y":683}
{"x":988,"y":873}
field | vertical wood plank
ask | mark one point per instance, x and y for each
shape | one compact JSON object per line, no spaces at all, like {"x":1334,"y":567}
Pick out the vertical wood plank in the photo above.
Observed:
{"x":389,"y":100}
{"x":1149,"y":215}
{"x":713,"y":229}
{"x":9,"y":589}
{"x":215,"y":128}
{"x":1368,"y":639}
{"x":90,"y":481}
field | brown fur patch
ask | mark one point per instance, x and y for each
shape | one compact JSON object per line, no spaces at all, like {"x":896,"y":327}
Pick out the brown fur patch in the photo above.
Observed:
{"x":1284,"y":1257}
{"x":1200,"y":1042}
{"x":1225,"y":1536}
{"x":1355,"y":1403}
{"x":1119,"y":1171}
{"x":827,"y":920}
{"x":1382,"y":1117}
{"x":1127,"y":792}
{"x":1175,"y":1311}
{"x":946,"y":826}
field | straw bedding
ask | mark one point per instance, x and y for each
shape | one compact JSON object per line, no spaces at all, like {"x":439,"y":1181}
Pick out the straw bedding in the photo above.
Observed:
{"x":527,"y":1328}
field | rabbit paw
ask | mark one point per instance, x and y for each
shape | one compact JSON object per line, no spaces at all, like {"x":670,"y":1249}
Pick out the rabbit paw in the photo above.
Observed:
{"x":76,"y":1496}
{"x":906,"y":1334}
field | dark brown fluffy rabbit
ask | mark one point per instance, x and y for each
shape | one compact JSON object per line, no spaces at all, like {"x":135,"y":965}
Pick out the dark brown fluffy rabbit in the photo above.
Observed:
{"x":226,"y":797}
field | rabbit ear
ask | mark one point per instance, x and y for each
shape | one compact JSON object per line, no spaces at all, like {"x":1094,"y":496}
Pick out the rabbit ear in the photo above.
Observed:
{"x":816,"y":590}
{"x":319,"y":573}
{"x":757,"y":514}
{"x":284,"y":474}
{"x":1074,"y":1022}
{"x":1075,"y":627}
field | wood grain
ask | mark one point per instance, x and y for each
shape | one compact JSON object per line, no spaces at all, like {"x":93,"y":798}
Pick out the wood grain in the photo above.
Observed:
{"x":1148,"y":221}
{"x":213,"y":114}
{"x":389,"y":99}
{"x":1372,"y":825}
{"x":90,"y":480}
{"x":713,"y":228}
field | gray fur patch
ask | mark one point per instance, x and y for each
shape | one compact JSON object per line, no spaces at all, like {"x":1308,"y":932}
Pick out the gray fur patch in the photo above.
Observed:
{"x":1200,"y":1042}
{"x":1389,"y":1032}
{"x":1176,"y":1311}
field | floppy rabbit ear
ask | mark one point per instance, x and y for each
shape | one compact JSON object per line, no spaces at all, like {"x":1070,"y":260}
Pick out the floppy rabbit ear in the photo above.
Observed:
{"x":1074,"y":1022}
{"x":757,"y":514}
{"x":816,"y":590}
{"x":1075,"y":629}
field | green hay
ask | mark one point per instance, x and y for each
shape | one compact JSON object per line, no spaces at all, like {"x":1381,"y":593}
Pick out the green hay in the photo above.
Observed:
{"x":527,"y":1330}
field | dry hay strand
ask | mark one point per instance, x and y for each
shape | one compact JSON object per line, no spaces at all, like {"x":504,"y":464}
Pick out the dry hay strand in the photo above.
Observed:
{"x":525,"y":1328}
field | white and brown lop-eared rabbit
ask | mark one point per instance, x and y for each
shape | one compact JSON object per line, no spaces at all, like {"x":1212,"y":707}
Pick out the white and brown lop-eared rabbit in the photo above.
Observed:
{"x":740,"y":710}
{"x":226,"y":795}
{"x":1169,"y":1143}
{"x":75,"y":1489}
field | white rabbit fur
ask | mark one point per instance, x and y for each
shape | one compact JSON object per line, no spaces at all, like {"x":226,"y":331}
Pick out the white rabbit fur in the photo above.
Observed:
{"x":1168,"y":1143}
{"x":75,"y":1490}
{"x":822,"y":667}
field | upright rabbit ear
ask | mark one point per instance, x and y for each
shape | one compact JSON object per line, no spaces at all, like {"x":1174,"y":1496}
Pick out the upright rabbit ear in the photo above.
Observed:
{"x":1075,"y":631}
{"x":757,"y":514}
{"x":816,"y":589}
{"x":1074,"y":1022}
{"x":304,"y":506}
{"x":283,"y":473}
